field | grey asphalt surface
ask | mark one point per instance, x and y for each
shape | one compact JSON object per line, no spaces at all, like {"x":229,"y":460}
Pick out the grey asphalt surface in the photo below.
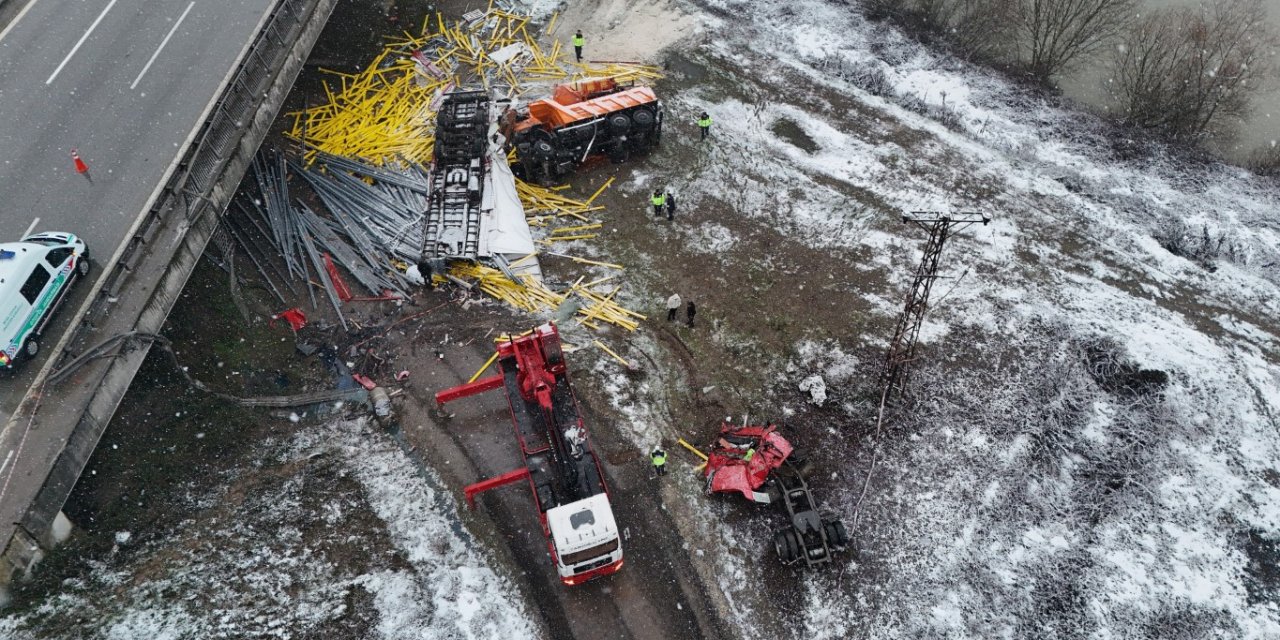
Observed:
{"x":129,"y":137}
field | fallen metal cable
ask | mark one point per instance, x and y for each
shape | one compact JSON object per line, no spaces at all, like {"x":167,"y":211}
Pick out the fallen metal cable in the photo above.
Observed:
{"x":276,"y":402}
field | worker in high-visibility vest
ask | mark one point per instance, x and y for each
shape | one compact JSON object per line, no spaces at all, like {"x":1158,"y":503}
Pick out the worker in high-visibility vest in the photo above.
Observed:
{"x":659,"y":458}
{"x":578,"y":41}
{"x":751,"y":453}
{"x":659,"y":201}
{"x":704,"y":123}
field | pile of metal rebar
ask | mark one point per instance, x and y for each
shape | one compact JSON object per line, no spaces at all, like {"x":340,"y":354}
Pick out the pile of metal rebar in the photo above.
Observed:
{"x":370,"y":225}
{"x":363,"y":157}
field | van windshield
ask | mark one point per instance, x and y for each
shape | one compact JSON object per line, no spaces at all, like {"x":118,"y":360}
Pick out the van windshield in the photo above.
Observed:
{"x":577,"y":557}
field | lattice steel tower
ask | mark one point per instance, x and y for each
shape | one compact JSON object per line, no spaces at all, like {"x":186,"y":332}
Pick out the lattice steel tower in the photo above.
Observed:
{"x":902,"y":347}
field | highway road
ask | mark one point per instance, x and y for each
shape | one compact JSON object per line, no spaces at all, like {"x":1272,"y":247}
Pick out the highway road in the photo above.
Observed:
{"x":126,"y":83}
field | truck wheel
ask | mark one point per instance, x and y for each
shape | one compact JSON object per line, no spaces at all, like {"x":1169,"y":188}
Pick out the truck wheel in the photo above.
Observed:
{"x":800,"y":462}
{"x":32,"y":348}
{"x":784,"y":545}
{"x":643,"y":119}
{"x":619,"y":123}
{"x":837,"y":535}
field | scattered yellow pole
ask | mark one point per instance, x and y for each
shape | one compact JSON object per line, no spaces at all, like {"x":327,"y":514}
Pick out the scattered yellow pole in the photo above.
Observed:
{"x":692,"y":448}
{"x":610,"y":352}
{"x":486,"y":366}
{"x":600,"y":190}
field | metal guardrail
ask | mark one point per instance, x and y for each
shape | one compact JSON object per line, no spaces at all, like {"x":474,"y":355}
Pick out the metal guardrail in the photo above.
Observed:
{"x":178,"y":225}
{"x":202,"y":164}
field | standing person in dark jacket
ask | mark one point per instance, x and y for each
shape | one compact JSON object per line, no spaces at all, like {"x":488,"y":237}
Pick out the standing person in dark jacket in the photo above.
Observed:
{"x":659,"y":459}
{"x":689,"y":312}
{"x":704,"y":124}
{"x":671,"y":206}
{"x":659,"y":201}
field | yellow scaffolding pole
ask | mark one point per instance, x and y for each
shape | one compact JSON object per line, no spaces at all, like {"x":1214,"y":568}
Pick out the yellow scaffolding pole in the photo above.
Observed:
{"x":488,"y":363}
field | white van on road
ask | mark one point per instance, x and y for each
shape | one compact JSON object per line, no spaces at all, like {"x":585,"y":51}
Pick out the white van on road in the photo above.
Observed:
{"x":35,"y":275}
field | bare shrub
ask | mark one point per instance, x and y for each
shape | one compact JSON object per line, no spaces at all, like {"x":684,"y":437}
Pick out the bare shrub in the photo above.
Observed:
{"x":1265,"y":161}
{"x":1054,"y":34}
{"x":868,"y":77}
{"x":1106,"y":363}
{"x":873,"y":81}
{"x":1200,"y":246}
{"x":1189,"y":73}
{"x":946,"y":116}
{"x":975,"y":29}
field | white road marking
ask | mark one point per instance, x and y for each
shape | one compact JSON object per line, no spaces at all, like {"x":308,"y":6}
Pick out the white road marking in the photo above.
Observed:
{"x":6,"y":461}
{"x":82,"y":39}
{"x":16,"y":19}
{"x":162,"y":44}
{"x":27,"y":233}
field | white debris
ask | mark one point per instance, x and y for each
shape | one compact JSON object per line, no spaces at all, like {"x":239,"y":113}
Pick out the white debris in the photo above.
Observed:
{"x":816,"y":387}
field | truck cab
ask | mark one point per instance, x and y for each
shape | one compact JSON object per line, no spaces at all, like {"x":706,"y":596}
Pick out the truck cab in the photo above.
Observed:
{"x":35,"y":275}
{"x":584,"y":539}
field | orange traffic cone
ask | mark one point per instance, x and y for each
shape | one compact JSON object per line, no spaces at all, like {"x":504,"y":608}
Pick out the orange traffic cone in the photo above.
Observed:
{"x":81,"y":167}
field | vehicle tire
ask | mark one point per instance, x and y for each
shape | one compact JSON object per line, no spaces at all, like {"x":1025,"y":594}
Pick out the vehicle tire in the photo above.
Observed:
{"x":797,"y":546}
{"x":31,"y":348}
{"x":837,"y":536}
{"x":800,"y":462}
{"x":619,"y":124}
{"x":784,"y":544}
{"x":781,"y":547}
{"x":543,"y":149}
{"x":82,"y":265}
{"x":643,"y":119}
{"x":842,"y":533}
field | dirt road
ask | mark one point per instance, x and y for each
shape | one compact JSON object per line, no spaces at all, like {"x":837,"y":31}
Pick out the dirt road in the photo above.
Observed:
{"x":655,"y":595}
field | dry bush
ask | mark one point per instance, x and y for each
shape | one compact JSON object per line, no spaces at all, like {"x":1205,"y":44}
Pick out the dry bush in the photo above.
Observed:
{"x":1189,"y":73}
{"x":975,"y":29}
{"x":1054,"y":34}
{"x":1265,"y":161}
{"x":1202,"y":247}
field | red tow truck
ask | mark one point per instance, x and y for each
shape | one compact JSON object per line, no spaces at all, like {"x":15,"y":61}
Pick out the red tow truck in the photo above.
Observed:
{"x":564,"y":475}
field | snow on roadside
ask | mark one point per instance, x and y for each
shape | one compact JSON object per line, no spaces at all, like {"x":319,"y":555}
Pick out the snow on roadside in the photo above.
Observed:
{"x":289,"y":547}
{"x":1022,"y":507}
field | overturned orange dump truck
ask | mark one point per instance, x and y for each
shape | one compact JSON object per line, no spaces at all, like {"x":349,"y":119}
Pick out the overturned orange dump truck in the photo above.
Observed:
{"x":553,"y":135}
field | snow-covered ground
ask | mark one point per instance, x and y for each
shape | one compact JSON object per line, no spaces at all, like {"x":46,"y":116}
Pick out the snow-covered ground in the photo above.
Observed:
{"x":1089,"y":448}
{"x":331,"y":533}
{"x":1093,"y":446}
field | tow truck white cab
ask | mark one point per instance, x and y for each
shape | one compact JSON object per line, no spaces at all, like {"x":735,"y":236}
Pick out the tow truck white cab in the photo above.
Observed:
{"x":35,"y":275}
{"x":586,"y":541}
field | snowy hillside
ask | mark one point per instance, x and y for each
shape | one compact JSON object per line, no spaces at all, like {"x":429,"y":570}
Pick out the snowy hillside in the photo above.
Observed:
{"x":1090,"y":446}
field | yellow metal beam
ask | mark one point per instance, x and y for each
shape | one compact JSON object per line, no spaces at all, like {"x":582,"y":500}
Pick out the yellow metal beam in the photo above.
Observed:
{"x":488,"y":363}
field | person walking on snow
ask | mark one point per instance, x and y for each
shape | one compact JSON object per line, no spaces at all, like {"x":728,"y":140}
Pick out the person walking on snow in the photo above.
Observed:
{"x":658,"y":200}
{"x":659,"y":458}
{"x":670,"y":205}
{"x":704,"y":123}
{"x":578,"y":41}
{"x":673,"y":306}
{"x":689,"y":312}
